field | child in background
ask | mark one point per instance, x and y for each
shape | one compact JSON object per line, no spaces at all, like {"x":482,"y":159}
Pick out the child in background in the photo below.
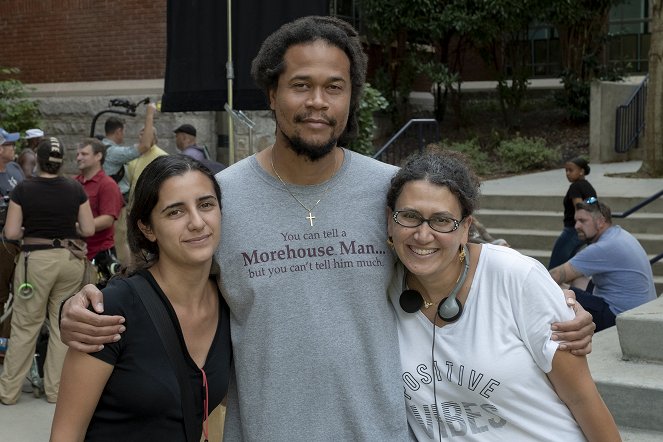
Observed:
{"x":567,"y":243}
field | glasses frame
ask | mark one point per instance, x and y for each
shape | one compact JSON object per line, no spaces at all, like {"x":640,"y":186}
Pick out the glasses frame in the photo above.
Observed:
{"x":427,"y":221}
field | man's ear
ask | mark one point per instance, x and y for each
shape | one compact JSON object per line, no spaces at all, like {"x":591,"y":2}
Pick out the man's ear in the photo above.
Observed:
{"x":147,"y":231}
{"x":272,"y":97}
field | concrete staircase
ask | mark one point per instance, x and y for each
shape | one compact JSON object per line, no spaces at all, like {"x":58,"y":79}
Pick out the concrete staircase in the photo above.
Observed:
{"x":627,"y":366}
{"x":626,"y":360}
{"x":531,"y":224}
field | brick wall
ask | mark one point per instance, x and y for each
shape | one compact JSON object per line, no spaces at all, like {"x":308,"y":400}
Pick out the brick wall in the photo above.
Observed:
{"x":83,"y":40}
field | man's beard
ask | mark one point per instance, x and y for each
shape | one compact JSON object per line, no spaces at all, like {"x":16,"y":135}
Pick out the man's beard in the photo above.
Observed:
{"x":586,"y":239}
{"x":310,"y":150}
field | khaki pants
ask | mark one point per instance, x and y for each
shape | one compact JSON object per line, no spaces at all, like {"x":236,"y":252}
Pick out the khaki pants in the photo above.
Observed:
{"x":215,"y":423}
{"x":120,"y":238}
{"x":8,"y":253}
{"x":54,"y":274}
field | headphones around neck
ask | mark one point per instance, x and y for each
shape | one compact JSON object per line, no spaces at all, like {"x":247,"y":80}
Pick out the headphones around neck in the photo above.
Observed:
{"x":449,"y":309}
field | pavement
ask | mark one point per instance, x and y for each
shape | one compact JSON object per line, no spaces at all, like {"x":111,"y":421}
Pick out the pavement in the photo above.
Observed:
{"x":554,"y":183}
{"x":30,"y":419}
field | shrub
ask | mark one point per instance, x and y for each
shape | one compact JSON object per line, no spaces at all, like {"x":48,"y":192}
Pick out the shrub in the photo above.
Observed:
{"x":371,"y":102}
{"x":17,"y":112}
{"x":521,"y":153}
{"x":473,"y":150}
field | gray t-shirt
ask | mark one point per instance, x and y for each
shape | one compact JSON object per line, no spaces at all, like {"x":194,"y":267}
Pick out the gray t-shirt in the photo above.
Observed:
{"x":314,"y":336}
{"x":619,"y":268}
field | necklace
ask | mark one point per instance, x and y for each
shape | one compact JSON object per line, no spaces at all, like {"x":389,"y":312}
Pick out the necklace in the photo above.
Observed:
{"x":310,"y":216}
{"x":412,"y":300}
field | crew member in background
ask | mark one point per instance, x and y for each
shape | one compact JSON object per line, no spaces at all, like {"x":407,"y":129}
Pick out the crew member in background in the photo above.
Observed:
{"x":10,"y":176}
{"x":117,"y":156}
{"x":105,"y":202}
{"x":33,"y":137}
{"x":185,"y":139}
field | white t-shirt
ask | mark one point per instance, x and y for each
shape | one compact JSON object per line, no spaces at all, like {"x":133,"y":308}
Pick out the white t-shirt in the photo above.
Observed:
{"x":491,"y":365}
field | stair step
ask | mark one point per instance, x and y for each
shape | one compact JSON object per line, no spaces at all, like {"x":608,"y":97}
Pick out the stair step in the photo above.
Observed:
{"x":640,"y":332}
{"x":554,"y":202}
{"x":633,"y":391}
{"x":552,"y":220}
{"x":545,"y":239}
{"x":637,"y":435}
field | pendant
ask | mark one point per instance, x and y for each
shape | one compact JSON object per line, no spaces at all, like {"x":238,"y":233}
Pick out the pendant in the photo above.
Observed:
{"x":310,"y":218}
{"x":427,"y":304}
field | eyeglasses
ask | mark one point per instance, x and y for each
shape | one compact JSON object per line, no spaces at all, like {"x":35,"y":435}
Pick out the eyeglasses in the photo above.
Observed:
{"x":591,"y":200}
{"x":410,"y":218}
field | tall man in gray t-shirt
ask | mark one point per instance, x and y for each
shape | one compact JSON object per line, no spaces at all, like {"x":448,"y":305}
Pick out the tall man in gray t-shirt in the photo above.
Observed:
{"x":304,"y":260}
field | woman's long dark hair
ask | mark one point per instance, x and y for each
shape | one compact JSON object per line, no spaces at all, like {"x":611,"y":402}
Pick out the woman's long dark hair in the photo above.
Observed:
{"x":146,"y":196}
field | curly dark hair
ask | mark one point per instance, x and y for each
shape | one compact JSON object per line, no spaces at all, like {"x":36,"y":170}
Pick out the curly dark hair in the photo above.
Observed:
{"x":146,"y":196}
{"x":269,"y":65}
{"x":446,"y":168}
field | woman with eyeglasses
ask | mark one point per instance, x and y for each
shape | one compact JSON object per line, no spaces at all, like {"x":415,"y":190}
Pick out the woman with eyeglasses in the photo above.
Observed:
{"x":478,"y":361}
{"x":568,"y":243}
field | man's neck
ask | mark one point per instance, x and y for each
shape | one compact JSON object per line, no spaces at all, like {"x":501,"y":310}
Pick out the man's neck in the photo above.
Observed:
{"x":114,"y":139}
{"x":299,"y":169}
{"x":601,"y":232}
{"x":90,"y":173}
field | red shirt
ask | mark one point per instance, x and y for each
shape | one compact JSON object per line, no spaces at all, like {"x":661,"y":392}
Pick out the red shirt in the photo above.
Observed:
{"x":105,"y":199}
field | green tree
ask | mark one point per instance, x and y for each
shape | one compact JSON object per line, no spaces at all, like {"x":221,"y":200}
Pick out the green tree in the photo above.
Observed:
{"x":17,"y":111}
{"x":371,"y":102}
{"x":500,"y":32}
{"x":414,"y":37}
{"x":582,"y":26}
{"x":431,"y":37}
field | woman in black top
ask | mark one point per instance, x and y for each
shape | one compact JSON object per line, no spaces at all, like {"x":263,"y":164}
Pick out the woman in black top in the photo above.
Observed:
{"x":568,"y":243}
{"x":129,"y":390}
{"x":49,"y":213}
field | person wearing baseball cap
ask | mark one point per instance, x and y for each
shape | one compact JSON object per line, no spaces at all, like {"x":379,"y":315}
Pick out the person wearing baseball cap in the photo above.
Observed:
{"x":8,"y":138}
{"x":10,"y":176}
{"x":33,"y":137}
{"x":185,"y":139}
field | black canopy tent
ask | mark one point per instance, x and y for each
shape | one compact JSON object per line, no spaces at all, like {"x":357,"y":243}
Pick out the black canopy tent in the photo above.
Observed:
{"x":197,"y":50}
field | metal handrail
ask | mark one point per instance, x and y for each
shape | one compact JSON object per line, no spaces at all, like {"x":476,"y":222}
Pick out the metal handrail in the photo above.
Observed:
{"x":415,"y":121}
{"x":243,"y":119}
{"x":656,"y":258}
{"x":630,"y":119}
{"x":637,"y":207}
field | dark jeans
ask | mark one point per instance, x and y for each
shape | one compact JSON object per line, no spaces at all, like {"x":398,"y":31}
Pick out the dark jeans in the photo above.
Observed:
{"x":602,"y":315}
{"x":8,"y":253}
{"x":565,"y":248}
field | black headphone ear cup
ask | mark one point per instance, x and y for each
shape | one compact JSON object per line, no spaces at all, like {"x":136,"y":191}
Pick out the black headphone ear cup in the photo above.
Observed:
{"x":410,"y":301}
{"x":448,"y":310}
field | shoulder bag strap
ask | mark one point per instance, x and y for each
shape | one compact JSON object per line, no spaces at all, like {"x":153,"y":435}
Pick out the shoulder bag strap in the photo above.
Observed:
{"x":171,"y":343}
